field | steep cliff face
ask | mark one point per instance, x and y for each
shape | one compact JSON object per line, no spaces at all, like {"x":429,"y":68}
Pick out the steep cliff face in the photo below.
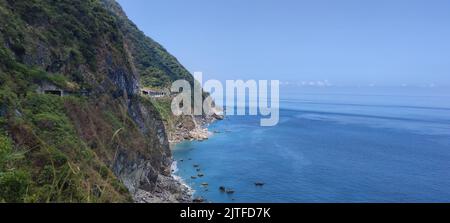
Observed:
{"x":100,"y":143}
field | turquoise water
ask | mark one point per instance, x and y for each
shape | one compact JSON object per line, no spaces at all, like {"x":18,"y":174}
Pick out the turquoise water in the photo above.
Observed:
{"x":332,"y":145}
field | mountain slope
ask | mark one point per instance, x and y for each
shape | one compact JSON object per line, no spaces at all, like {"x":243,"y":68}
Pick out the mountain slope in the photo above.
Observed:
{"x":156,"y":67}
{"x":101,"y":142}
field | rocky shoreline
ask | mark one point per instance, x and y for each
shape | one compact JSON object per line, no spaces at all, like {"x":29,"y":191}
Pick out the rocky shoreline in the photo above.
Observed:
{"x":171,"y":188}
{"x":195,"y":130}
{"x":192,"y":128}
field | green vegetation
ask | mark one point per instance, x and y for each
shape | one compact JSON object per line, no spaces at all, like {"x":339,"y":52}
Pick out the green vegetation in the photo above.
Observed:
{"x":14,"y":186}
{"x":162,"y":105}
{"x":57,"y":165}
{"x":153,"y":77}
{"x":155,"y":65}
{"x":13,"y":183}
{"x":60,"y":36}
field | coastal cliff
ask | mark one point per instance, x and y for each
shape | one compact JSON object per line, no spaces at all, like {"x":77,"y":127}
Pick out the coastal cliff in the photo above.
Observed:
{"x":92,"y":137}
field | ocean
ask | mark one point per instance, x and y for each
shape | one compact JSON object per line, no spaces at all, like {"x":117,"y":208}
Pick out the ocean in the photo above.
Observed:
{"x":332,"y":144}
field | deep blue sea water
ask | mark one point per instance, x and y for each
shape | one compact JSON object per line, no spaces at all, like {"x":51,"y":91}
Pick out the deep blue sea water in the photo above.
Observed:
{"x":332,"y":145}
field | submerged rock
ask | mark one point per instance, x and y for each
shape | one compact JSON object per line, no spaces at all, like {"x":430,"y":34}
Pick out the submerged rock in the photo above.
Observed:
{"x":218,"y":116}
{"x":230,"y":191}
{"x":198,"y":200}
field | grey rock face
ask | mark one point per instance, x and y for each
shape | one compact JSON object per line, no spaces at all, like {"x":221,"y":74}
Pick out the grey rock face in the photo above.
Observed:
{"x":137,"y":174}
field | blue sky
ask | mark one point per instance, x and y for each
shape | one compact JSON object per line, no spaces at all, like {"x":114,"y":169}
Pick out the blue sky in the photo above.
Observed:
{"x":347,"y":42}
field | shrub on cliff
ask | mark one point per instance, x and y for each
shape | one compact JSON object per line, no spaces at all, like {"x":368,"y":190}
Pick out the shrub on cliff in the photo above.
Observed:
{"x":13,"y":186}
{"x":13,"y":183}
